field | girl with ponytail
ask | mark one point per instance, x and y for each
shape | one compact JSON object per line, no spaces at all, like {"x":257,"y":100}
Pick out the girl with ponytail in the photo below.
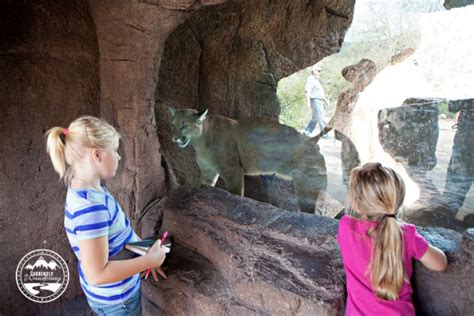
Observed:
{"x":85,"y":154}
{"x":377,"y":248}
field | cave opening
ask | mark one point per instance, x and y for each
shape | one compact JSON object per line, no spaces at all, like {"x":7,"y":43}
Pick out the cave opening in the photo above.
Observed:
{"x":228,"y":59}
{"x":407,"y":115}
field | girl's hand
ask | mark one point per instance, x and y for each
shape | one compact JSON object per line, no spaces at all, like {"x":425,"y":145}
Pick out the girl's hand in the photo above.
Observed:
{"x":156,"y":255}
{"x":155,"y":272}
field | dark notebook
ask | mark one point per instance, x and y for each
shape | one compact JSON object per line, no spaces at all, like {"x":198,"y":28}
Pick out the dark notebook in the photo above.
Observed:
{"x":139,"y":248}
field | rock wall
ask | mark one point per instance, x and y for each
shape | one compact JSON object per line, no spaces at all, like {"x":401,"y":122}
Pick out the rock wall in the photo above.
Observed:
{"x":449,"y":292}
{"x":450,"y":4}
{"x":236,"y":256}
{"x":49,"y":65}
{"x":59,"y":61}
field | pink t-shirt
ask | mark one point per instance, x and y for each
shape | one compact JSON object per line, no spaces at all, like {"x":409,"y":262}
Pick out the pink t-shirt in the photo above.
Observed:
{"x":356,"y":248}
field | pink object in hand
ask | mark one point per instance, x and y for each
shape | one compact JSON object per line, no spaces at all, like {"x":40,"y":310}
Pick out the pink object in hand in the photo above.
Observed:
{"x":162,"y":240}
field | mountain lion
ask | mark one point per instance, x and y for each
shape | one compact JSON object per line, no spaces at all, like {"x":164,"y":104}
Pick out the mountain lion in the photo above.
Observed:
{"x":231,"y":149}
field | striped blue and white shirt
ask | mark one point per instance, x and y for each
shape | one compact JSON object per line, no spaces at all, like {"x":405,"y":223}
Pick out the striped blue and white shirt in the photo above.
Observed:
{"x":90,"y":214}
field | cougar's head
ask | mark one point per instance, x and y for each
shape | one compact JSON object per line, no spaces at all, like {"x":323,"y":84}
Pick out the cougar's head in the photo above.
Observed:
{"x":186,"y":124}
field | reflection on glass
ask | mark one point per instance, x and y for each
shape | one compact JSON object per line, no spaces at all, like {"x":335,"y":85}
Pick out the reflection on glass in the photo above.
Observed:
{"x":434,"y":140}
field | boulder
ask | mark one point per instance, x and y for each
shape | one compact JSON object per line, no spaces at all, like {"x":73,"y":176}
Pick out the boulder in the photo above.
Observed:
{"x":235,"y":256}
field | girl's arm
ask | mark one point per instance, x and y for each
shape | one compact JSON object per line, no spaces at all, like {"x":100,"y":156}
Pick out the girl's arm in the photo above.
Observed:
{"x":99,"y":270}
{"x":434,"y":259}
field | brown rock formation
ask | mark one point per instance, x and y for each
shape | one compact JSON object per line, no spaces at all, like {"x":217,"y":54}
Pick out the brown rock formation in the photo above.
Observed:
{"x":233,"y":255}
{"x":360,"y":75}
{"x":50,"y":75}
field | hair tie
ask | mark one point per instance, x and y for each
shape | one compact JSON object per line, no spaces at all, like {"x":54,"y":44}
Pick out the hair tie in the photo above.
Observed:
{"x":390,"y":215}
{"x":65,"y":131}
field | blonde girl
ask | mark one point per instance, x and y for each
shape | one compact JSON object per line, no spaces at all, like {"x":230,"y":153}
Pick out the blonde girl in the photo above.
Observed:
{"x":377,"y":248}
{"x":84,"y":154}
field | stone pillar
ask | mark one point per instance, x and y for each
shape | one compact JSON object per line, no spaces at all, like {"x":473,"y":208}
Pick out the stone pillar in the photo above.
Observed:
{"x":131,"y":36}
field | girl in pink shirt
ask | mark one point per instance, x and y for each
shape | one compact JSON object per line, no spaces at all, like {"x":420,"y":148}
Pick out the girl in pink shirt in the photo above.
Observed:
{"x":377,"y":249}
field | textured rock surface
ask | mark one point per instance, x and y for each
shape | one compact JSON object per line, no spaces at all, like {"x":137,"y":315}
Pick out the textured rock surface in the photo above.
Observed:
{"x":49,"y":71}
{"x":450,"y":4}
{"x":131,"y":36}
{"x":409,"y":133}
{"x":360,"y":75}
{"x":236,"y":256}
{"x":449,"y":292}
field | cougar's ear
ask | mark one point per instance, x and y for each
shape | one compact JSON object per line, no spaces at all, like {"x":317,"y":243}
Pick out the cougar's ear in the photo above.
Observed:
{"x":201,"y":116}
{"x":172,"y":110}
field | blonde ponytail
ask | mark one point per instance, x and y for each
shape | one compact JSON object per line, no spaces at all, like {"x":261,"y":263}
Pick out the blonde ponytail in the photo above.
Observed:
{"x":67,"y":146}
{"x":56,"y":150}
{"x":386,"y":265}
{"x":378,"y":192}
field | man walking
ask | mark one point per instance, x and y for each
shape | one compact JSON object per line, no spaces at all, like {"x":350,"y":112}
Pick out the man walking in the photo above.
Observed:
{"x":316,"y":100}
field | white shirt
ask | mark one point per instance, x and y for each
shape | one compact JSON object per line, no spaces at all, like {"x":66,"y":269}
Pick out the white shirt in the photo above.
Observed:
{"x":314,"y":88}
